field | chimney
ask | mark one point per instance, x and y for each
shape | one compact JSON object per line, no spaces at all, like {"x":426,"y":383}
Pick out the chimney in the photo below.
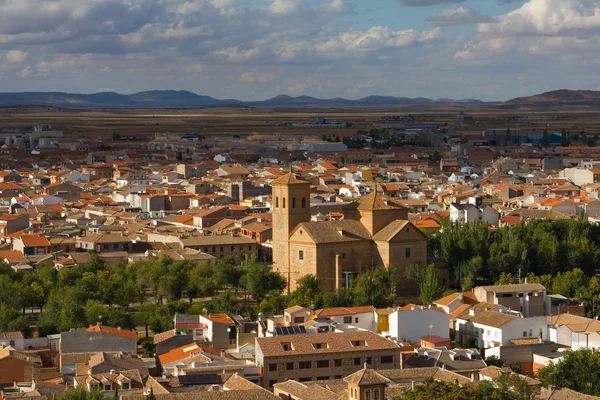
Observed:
{"x":472,"y":312}
{"x":112,"y":371}
{"x":365,"y":366}
{"x":412,"y":385}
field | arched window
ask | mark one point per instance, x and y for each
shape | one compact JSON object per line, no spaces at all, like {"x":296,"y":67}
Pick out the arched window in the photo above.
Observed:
{"x":375,"y":394}
{"x":303,"y":202}
{"x":368,"y":394}
{"x":283,"y":200}
{"x":293,"y":202}
{"x":276,"y":202}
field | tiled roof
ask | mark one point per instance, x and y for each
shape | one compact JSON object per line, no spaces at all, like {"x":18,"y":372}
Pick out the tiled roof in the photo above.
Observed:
{"x":522,"y":287}
{"x":34,"y":241}
{"x":179,"y":353}
{"x":336,"y":343}
{"x":339,"y":311}
{"x":113,"y":331}
{"x":345,"y":230}
{"x":490,"y":318}
{"x":366,"y":377}
{"x":289,"y":179}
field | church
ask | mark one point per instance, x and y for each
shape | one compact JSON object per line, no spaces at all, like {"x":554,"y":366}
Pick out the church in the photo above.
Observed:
{"x":374,"y":231}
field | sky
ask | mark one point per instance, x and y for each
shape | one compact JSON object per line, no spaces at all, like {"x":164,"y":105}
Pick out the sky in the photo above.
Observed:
{"x":256,"y":49}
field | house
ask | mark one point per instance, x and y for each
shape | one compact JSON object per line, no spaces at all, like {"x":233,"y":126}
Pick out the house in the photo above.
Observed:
{"x":530,"y":299}
{"x":66,"y":191}
{"x":322,"y":356}
{"x":412,"y":322}
{"x":11,"y":223}
{"x":217,"y":330}
{"x":465,"y":213}
{"x":182,"y":357}
{"x":492,"y":328}
{"x":17,"y":366}
{"x":169,"y":340}
{"x":447,"y":359}
{"x":32,"y":245}
{"x":74,"y":347}
{"x":104,"y":243}
{"x":101,"y":363}
{"x":574,"y":331}
{"x":350,"y":317}
{"x":125,"y":383}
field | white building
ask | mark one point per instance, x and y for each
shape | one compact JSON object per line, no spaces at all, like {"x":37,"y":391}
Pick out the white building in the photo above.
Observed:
{"x":575,"y":331}
{"x":416,"y":322}
{"x":348,"y":318}
{"x":492,"y":328}
{"x":465,"y":213}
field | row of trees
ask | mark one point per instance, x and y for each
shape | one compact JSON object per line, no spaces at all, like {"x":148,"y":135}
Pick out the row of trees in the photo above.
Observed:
{"x":542,"y":247}
{"x":148,"y":293}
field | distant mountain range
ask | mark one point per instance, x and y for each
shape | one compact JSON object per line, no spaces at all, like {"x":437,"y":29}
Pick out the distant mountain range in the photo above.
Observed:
{"x":563,"y":97}
{"x":172,"y":98}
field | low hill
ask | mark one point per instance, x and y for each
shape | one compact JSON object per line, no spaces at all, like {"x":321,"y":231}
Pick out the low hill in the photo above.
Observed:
{"x":182,"y":98}
{"x":560,"y":97}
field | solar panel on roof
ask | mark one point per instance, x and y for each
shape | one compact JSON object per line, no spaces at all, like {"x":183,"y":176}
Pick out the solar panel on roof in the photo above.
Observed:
{"x":199,"y":379}
{"x":289,"y":330}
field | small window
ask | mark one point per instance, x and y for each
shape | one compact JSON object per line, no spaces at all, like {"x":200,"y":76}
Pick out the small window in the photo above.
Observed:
{"x":525,"y":334}
{"x":530,"y":332}
{"x":221,"y":249}
{"x":105,"y":246}
{"x":276,"y":202}
{"x":107,"y":387}
{"x":407,"y":252}
{"x":125,"y":385}
{"x":343,"y":256}
{"x":283,"y":201}
{"x":303,"y":202}
{"x":322,"y":378}
{"x":301,"y":255}
{"x":232,"y":248}
{"x":347,"y":320}
{"x":289,"y":366}
{"x":357,"y":361}
{"x":293,"y":202}
{"x":272,"y":367}
{"x":304,"y":379}
{"x":272,"y":383}
{"x":305,"y":365}
{"x":286,"y":346}
{"x":387,"y":359}
{"x":375,"y":394}
{"x":338,"y":377}
{"x":323,"y":364}
{"x":358,"y":343}
{"x":356,"y":320}
{"x":337,"y":362}
{"x":214,"y":249}
{"x":250,"y":248}
{"x":368,"y":394}
{"x":206,"y":249}
{"x":320,"y":346}
{"x":369,"y":360}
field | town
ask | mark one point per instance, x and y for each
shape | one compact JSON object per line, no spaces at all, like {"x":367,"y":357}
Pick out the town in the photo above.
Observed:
{"x":369,"y":256}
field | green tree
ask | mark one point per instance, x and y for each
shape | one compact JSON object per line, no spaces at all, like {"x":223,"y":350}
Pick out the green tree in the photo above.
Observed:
{"x":430,"y":289}
{"x":376,"y":287}
{"x":545,"y":138}
{"x":259,"y":279}
{"x":577,"y":370}
{"x":308,"y":293}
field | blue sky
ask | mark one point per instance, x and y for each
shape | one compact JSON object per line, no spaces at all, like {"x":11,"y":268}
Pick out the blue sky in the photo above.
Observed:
{"x":255,"y":49}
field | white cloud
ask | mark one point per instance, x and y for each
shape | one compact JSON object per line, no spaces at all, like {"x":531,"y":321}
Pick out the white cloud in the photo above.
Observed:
{"x":335,"y":6}
{"x":547,"y":17}
{"x":375,"y":38}
{"x":285,"y":7}
{"x":16,"y":56}
{"x":254,"y":77}
{"x":24,"y":73}
{"x":235,"y":54}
